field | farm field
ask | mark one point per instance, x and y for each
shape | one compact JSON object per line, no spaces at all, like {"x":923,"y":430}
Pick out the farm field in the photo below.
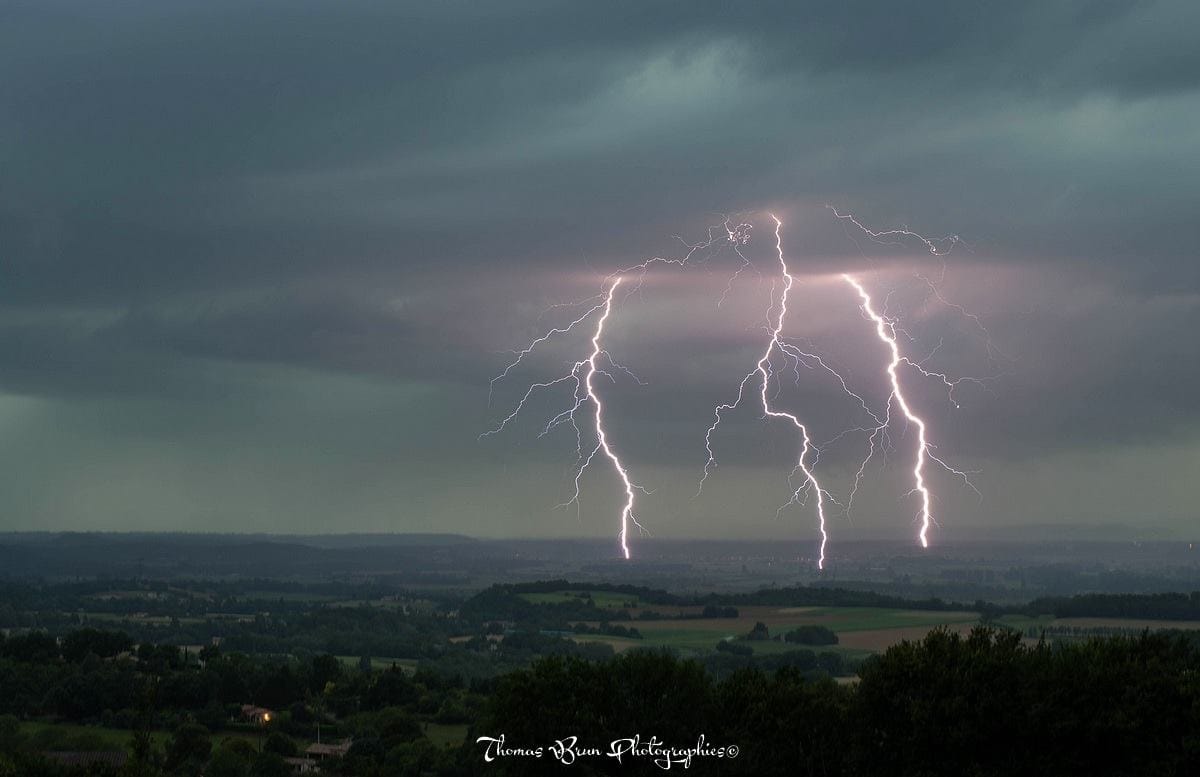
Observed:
{"x":879,"y":627}
{"x":600,"y":598}
{"x":141,"y":618}
{"x":782,"y":619}
{"x":860,"y":630}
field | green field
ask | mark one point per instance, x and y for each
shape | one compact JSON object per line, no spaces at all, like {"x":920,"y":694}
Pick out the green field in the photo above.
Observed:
{"x":875,"y":627}
{"x":608,"y":599}
{"x":861,"y":630}
{"x":154,"y":620}
{"x":1022,"y":622}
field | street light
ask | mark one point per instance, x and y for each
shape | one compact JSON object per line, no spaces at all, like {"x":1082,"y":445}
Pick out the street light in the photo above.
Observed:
{"x":262,"y":730}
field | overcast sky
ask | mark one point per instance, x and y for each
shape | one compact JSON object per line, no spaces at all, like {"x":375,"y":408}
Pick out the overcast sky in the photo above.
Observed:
{"x":259,"y":261}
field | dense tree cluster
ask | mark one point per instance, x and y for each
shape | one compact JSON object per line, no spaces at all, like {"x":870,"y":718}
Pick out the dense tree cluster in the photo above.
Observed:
{"x":92,"y":676}
{"x":1165,"y":606}
{"x":811,"y":635}
{"x":984,"y":704}
{"x":821,"y":596}
{"x":506,"y":662}
{"x":505,"y":603}
{"x":261,"y":616}
{"x":733,"y":656}
{"x":609,"y":629}
{"x":635,"y":593}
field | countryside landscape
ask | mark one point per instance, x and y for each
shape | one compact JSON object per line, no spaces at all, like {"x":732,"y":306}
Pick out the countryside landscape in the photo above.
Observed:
{"x":350,"y":672}
{"x":544,"y":388}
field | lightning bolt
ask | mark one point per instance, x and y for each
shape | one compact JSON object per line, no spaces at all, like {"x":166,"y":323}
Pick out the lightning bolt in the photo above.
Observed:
{"x":582,"y":378}
{"x":583,"y":373}
{"x":886,"y":330}
{"x":602,"y":443}
{"x":887,"y":333}
{"x":762,"y":372}
{"x":938,"y":246}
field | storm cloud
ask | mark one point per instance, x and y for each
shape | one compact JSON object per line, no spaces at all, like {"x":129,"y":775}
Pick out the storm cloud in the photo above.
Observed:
{"x":258,"y":262}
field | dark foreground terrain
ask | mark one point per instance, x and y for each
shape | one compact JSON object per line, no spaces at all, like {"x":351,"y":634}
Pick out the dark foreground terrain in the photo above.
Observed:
{"x":442,"y":656}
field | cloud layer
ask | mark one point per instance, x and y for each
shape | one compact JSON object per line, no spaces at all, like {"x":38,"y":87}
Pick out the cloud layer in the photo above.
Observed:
{"x":259,"y":261}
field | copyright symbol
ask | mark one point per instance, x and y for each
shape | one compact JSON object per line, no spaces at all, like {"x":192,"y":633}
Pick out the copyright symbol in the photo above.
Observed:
{"x":732,"y":751}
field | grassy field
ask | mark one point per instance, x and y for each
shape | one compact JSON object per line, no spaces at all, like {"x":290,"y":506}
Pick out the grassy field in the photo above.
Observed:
{"x":860,"y":630}
{"x":154,"y":620}
{"x":608,"y":599}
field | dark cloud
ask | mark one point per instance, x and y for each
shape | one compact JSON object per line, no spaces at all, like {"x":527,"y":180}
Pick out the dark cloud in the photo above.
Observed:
{"x":206,"y":205}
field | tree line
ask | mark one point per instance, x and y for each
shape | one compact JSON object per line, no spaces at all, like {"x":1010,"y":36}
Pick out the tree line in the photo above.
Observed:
{"x":983,"y":704}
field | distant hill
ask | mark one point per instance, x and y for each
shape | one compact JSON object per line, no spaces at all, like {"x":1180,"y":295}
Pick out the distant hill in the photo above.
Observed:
{"x":355,"y":540}
{"x":405,"y":558}
{"x":364,"y":540}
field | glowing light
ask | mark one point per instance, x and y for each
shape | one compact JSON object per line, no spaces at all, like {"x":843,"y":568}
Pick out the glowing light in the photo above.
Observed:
{"x":936,"y":246}
{"x":886,"y":330}
{"x":763,"y":370}
{"x":887,"y":333}
{"x":582,"y":374}
{"x":627,"y":515}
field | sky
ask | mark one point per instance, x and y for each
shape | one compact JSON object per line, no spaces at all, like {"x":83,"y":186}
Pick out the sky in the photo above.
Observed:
{"x":260,"y":261}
